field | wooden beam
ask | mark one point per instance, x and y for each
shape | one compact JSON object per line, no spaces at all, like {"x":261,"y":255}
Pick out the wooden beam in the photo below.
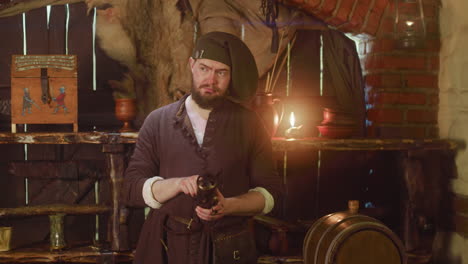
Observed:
{"x":54,"y":209}
{"x":16,"y":7}
{"x":75,"y":254}
{"x":279,"y":144}
{"x":53,"y":169}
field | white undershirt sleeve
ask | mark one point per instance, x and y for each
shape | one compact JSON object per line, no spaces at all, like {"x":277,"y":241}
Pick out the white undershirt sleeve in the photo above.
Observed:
{"x":269,"y":201}
{"x":148,"y":196}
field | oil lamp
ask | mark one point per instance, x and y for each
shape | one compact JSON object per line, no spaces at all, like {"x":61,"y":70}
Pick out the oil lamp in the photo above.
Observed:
{"x":293,"y":131}
{"x":409,"y":27}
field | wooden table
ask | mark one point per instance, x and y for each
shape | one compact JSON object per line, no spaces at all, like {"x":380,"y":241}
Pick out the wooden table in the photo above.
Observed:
{"x":412,"y":151}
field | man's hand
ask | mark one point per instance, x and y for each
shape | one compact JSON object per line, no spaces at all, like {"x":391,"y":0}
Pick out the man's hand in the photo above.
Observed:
{"x":188,"y":185}
{"x":216,"y":212}
{"x":167,"y":189}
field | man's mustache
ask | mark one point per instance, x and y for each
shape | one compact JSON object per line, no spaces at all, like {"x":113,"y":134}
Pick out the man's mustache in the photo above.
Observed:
{"x":213,"y":87}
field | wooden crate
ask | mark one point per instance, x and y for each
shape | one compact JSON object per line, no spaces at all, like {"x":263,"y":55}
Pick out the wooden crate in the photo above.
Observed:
{"x":44,"y":90}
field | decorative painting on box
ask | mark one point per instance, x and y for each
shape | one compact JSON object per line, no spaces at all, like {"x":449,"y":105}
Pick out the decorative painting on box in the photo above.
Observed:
{"x":44,"y":90}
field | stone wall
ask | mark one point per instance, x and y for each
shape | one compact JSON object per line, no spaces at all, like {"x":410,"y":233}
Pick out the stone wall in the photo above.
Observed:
{"x":453,"y":116}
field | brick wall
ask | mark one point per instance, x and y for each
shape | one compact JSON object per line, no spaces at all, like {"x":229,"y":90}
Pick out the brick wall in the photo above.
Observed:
{"x":401,"y":85}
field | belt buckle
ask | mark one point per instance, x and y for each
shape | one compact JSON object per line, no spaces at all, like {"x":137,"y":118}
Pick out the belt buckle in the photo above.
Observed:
{"x":189,"y":225}
{"x":236,"y":254}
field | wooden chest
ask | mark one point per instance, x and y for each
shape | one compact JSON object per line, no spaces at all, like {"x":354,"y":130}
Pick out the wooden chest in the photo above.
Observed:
{"x":44,"y":90}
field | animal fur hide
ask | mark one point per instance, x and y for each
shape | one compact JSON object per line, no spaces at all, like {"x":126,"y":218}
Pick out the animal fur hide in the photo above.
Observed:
{"x":154,"y":39}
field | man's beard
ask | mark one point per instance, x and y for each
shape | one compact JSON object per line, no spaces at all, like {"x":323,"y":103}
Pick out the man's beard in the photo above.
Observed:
{"x":206,"y":102}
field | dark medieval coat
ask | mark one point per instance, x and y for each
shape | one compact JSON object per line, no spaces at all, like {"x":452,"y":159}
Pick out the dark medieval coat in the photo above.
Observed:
{"x":235,"y":144}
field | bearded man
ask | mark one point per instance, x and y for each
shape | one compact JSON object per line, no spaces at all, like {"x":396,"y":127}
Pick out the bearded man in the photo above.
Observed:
{"x":206,"y":132}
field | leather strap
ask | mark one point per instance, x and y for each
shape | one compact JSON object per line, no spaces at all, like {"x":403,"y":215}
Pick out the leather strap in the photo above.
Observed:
{"x":45,"y":98}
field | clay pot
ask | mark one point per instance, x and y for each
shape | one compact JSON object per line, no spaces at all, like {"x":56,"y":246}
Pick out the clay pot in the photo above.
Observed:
{"x":125,"y":111}
{"x":337,"y":117}
{"x":264,"y":105}
{"x":336,"y":131}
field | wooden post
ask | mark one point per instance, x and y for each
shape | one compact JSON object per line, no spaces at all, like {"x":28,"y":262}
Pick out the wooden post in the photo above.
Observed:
{"x":421,"y":196}
{"x":118,"y":223}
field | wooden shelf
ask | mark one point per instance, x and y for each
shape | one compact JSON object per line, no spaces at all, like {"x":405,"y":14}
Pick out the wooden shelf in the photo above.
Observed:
{"x":83,"y":254}
{"x":50,"y":209}
{"x":279,"y":144}
{"x":280,"y":259}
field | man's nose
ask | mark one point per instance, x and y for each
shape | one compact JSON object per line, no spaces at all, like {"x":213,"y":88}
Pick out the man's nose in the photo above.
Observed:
{"x":211,"y":78}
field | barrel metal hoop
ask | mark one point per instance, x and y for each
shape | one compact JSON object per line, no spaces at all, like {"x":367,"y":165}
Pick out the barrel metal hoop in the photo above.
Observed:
{"x":331,"y":227}
{"x":334,"y":245}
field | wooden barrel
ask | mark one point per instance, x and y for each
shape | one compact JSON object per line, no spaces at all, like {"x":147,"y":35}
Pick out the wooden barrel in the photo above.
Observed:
{"x":349,"y":238}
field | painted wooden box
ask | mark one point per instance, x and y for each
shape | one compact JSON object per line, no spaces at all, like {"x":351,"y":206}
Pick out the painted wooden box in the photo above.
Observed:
{"x":44,"y":90}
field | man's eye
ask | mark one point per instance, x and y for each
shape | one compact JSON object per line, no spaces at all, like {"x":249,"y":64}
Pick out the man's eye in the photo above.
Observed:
{"x":221,"y":73}
{"x":203,"y":69}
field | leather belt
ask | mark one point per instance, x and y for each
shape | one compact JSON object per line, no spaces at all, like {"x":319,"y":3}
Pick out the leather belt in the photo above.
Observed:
{"x":191,"y":225}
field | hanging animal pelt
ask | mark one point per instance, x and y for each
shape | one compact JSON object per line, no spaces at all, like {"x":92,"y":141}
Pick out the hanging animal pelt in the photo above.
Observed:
{"x":154,"y":39}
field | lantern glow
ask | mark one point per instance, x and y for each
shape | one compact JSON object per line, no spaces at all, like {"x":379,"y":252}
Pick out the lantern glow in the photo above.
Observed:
{"x":292,"y":119}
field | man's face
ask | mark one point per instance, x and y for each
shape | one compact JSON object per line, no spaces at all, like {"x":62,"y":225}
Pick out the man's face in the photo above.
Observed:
{"x":210,"y":81}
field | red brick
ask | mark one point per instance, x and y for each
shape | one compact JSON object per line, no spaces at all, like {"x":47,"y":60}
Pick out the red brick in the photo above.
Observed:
{"x":373,"y":22}
{"x":383,"y":80}
{"x":383,"y":45}
{"x":431,"y":10}
{"x":342,"y":14}
{"x":433,"y":99}
{"x":381,"y":4}
{"x":385,"y":115}
{"x":432,"y":132}
{"x":374,"y":80}
{"x":432,"y":26}
{"x":390,"y":62}
{"x":433,"y":63}
{"x":433,"y":45}
{"x":400,"y":132}
{"x":311,"y":6}
{"x":391,"y":8}
{"x":386,"y":26}
{"x":328,"y":7}
{"x":402,"y":62}
{"x":421,"y":116}
{"x":375,"y":16}
{"x":371,"y":131}
{"x":398,"y":98}
{"x":421,"y":80}
{"x":371,"y":62}
{"x":360,"y":13}
{"x":408,"y":9}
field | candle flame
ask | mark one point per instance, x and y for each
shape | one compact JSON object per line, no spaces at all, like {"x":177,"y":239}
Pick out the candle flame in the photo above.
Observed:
{"x":409,"y":23}
{"x":292,"y":119}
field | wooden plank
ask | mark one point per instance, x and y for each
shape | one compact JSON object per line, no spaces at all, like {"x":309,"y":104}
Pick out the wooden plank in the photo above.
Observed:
{"x":12,"y":43}
{"x":81,"y":254}
{"x":80,"y":43}
{"x":99,"y":111}
{"x":54,"y":209}
{"x":58,"y":65}
{"x":45,"y":169}
{"x":57,"y":26}
{"x":36,"y":31}
{"x":68,"y":138}
{"x":279,"y":144}
{"x":15,"y":7}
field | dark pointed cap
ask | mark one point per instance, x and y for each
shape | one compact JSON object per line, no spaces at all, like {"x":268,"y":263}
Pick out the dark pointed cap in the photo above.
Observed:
{"x":230,"y":50}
